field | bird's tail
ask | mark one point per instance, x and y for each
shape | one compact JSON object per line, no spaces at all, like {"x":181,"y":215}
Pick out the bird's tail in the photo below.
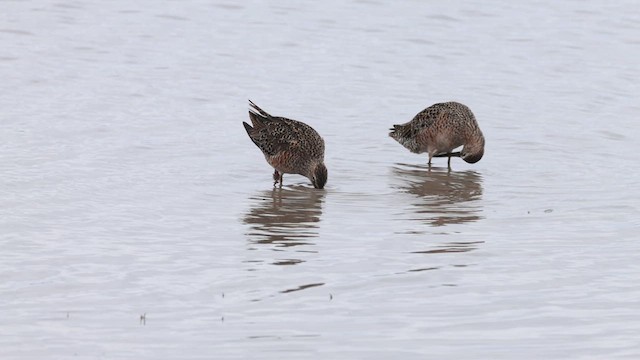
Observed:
{"x":400,"y":131}
{"x":405,"y":136}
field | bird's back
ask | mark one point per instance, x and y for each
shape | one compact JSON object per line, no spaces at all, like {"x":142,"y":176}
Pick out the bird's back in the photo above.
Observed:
{"x":449,"y":114}
{"x":274,"y":135}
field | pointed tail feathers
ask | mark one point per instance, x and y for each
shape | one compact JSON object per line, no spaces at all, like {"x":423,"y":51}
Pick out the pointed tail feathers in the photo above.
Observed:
{"x":403,"y":130}
{"x":405,"y":136}
{"x":397,"y":131}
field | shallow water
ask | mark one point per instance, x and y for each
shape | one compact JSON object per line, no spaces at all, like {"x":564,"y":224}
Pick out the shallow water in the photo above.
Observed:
{"x":137,"y":219}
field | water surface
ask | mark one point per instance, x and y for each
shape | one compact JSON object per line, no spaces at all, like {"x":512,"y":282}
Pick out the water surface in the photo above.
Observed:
{"x":137,"y":219}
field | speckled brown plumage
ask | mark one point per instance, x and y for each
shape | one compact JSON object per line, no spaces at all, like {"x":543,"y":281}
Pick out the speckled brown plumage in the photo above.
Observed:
{"x":290,"y":146}
{"x":441,"y":128}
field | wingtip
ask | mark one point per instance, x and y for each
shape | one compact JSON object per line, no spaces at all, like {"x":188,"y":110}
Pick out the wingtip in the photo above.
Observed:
{"x":247,"y":127}
{"x":253,"y":108}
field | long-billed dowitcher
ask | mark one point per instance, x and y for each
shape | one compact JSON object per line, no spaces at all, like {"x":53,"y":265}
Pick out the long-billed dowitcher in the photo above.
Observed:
{"x":441,"y":128}
{"x":290,"y":146}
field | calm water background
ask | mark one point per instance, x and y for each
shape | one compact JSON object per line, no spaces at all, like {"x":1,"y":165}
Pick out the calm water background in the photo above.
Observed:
{"x":129,"y":187}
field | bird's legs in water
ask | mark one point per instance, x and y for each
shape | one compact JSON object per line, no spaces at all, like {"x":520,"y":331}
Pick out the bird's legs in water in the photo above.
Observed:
{"x":448,"y":155}
{"x":277,"y":177}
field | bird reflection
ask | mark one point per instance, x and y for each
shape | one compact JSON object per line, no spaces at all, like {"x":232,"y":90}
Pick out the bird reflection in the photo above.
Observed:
{"x":285,"y":217}
{"x":441,"y":197}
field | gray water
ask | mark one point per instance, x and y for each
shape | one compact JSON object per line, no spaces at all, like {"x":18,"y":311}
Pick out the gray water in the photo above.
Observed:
{"x":138,"y":221}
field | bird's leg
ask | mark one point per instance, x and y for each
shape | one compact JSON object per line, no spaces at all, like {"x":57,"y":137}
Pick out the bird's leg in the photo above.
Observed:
{"x":429,"y":161}
{"x":276,"y":177}
{"x":449,"y":162}
{"x":281,"y":174}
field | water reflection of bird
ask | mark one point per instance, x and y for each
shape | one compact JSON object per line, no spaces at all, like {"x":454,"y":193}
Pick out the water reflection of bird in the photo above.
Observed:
{"x":440,"y":129}
{"x":290,"y":146}
{"x":442,"y":197}
{"x":285,"y":216}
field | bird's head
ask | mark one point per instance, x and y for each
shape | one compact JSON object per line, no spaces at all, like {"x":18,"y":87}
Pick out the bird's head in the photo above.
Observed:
{"x":318,"y":175}
{"x":473,"y":151}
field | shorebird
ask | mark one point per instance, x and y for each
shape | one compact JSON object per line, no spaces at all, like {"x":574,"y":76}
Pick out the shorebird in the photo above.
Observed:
{"x":290,"y":146}
{"x":441,"y":128}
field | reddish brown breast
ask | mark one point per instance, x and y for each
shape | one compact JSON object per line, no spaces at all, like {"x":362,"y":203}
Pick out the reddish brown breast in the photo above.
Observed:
{"x":283,"y":161}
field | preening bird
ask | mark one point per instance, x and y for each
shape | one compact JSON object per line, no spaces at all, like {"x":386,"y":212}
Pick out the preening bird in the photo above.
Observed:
{"x":440,"y":129}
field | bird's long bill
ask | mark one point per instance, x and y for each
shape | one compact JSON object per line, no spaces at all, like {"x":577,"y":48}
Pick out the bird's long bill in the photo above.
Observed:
{"x":453,"y":154}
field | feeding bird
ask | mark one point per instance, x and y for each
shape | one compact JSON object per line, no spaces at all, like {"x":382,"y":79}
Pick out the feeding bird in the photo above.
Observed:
{"x":440,"y":129}
{"x":290,"y":146}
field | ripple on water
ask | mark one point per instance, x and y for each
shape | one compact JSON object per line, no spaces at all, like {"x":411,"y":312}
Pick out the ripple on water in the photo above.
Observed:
{"x":284,"y":217}
{"x":440,"y":196}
